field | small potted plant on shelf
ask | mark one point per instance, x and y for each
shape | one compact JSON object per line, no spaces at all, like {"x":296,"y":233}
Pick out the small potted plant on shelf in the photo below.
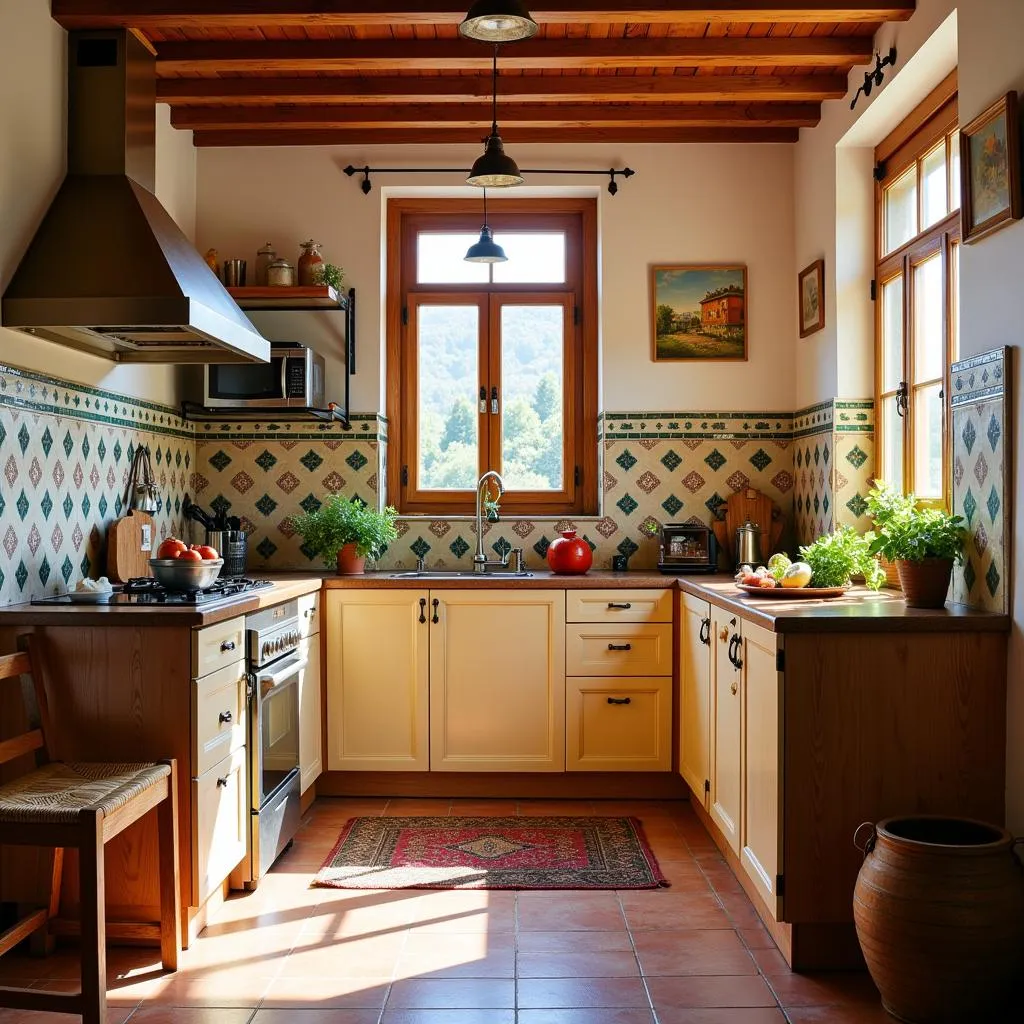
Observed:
{"x":924,"y":543}
{"x":346,"y":531}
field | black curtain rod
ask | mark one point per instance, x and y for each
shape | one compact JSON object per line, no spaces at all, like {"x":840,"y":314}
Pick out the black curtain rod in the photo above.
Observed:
{"x":366,"y":186}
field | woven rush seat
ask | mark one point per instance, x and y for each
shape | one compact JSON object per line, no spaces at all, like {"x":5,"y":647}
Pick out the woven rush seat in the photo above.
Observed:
{"x":57,"y":793}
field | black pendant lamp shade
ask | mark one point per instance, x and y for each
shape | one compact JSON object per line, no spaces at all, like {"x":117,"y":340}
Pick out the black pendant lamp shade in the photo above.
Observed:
{"x":495,"y":168}
{"x":498,"y":21}
{"x":486,"y":250}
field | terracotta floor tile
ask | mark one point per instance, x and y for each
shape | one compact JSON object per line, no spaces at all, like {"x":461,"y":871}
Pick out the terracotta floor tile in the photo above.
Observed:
{"x":770,"y":961}
{"x":721,"y":1015}
{"x":227,"y":988}
{"x":709,"y":991}
{"x":115,"y":1015}
{"x":483,"y":809}
{"x":556,"y":993}
{"x":703,"y":952}
{"x":547,"y":808}
{"x":489,"y":1016}
{"x":455,"y":994}
{"x":851,"y":1015}
{"x":574,"y":942}
{"x":756,"y":937}
{"x":374,"y":958}
{"x":190,"y":1015}
{"x":416,"y":808}
{"x":673,"y":910}
{"x":336,"y":1016}
{"x":836,"y":988}
{"x":590,"y":912}
{"x":577,"y":965}
{"x":446,"y":963}
{"x":326,"y":993}
{"x":591,"y":1015}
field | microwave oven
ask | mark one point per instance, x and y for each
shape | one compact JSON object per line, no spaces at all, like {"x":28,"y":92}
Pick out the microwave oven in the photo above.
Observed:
{"x":294,"y":378}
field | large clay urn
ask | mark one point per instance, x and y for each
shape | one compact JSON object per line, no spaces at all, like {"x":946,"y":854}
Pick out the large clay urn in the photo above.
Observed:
{"x":939,"y":911}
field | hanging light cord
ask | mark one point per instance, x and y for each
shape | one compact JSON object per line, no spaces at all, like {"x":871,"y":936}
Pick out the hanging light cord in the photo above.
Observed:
{"x":494,"y":92}
{"x":485,"y":206}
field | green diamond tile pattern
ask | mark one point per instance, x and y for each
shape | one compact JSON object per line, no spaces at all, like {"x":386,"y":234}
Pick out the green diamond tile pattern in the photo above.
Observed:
{"x":420,"y":547}
{"x":715,"y":459}
{"x":627,"y":460}
{"x":760,"y":459}
{"x":627,"y":504}
{"x":671,"y":461}
{"x":856,"y":456}
{"x":857,"y":505}
{"x":458,"y":547}
{"x":672,"y":505}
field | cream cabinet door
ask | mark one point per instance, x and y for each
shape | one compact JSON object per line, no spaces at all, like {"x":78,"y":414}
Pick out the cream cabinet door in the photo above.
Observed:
{"x":310,"y":760}
{"x":762,"y":694}
{"x":727,"y":752}
{"x":695,"y":696}
{"x":497,"y":681}
{"x":377,"y":692}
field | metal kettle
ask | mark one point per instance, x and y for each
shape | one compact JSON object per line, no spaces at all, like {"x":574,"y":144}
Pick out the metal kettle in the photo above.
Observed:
{"x":748,"y":544}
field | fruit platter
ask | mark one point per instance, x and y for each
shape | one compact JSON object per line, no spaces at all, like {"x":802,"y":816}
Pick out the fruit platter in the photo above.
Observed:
{"x":784,"y":580}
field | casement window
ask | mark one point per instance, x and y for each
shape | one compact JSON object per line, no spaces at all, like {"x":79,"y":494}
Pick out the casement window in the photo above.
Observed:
{"x":492,"y":366}
{"x":916,"y":280}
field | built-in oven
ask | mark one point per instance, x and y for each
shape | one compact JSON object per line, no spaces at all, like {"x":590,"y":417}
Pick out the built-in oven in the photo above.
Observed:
{"x":294,"y":377}
{"x":275,"y":662}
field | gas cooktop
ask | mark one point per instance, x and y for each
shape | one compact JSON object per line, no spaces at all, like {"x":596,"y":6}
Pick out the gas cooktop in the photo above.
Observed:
{"x":146,"y":590}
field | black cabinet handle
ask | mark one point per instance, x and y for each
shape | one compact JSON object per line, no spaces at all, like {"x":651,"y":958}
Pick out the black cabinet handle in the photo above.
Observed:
{"x":423,"y":607}
{"x":226,"y":716}
{"x":618,"y":700}
{"x":434,"y":617}
{"x":625,"y":607}
{"x":620,"y":647}
{"x":734,"y":650}
{"x":705,"y":632}
{"x":228,"y":645}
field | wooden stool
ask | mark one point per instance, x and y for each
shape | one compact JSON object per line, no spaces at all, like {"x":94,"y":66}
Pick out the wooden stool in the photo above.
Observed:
{"x":81,"y":806}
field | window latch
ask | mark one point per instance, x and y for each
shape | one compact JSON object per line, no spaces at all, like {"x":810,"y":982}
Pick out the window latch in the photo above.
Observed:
{"x":483,"y":400}
{"x":902,"y":393}
{"x":494,"y":401}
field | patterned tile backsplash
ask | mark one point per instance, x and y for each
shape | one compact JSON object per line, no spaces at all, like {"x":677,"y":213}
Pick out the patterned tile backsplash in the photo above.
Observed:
{"x":64,"y":457}
{"x":981,"y":488}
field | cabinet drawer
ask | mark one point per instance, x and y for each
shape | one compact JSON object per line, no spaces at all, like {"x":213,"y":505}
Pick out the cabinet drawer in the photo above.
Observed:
{"x":618,"y":606}
{"x":218,"y":716}
{"x":619,"y":725}
{"x":309,"y":614}
{"x":216,"y":646}
{"x":629,"y":649}
{"x":220,"y":817}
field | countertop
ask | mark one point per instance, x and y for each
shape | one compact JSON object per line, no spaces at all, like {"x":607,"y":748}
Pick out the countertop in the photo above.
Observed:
{"x":539,"y":579}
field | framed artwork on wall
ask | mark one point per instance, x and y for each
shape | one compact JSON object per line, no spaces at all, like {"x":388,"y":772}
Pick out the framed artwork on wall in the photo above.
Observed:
{"x":990,"y":169}
{"x":699,"y":312}
{"x":811,"y":289}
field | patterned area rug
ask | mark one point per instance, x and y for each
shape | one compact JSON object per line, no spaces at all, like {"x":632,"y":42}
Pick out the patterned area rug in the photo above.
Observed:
{"x":491,"y":853}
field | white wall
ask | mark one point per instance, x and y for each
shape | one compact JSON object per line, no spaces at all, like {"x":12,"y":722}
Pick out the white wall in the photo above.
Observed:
{"x":176,"y":172}
{"x":686,"y":204}
{"x":33,"y":93}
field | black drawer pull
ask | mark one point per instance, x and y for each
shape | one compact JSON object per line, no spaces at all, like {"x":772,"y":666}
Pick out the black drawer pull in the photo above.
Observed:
{"x":226,"y":716}
{"x":434,"y":617}
{"x":620,"y":647}
{"x":705,"y":632}
{"x":423,"y":606}
{"x":624,"y":607}
{"x":228,"y":645}
{"x":618,"y":700}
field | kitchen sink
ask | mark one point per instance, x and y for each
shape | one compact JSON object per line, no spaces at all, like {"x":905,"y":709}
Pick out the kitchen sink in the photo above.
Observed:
{"x":454,"y":574}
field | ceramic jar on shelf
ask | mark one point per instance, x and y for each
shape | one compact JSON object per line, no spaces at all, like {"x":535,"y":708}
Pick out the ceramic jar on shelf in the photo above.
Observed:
{"x":310,"y":262}
{"x":280,"y":274}
{"x":264,"y":257}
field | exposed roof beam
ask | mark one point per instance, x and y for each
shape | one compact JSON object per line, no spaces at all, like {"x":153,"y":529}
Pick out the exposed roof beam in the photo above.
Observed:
{"x":456,"y":54}
{"x":360,"y":137}
{"x":245,"y":13}
{"x":465,"y":88}
{"x":765,"y":115}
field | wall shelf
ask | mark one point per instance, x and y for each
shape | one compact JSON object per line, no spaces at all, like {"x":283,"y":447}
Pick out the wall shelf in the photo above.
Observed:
{"x":194,"y":411}
{"x":290,"y":298}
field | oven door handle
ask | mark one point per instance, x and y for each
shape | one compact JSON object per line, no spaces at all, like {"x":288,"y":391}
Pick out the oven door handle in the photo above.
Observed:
{"x":284,"y":379}
{"x":268,"y":680}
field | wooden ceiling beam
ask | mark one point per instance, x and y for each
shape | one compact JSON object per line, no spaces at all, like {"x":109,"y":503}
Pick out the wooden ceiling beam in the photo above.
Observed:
{"x":360,"y":137}
{"x":478,"y":116}
{"x":466,"y":88}
{"x":145,"y":14}
{"x":187,"y":58}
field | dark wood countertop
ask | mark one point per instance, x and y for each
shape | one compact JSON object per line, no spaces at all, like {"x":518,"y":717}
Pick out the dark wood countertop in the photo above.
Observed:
{"x":596,"y":579}
{"x":859,"y":611}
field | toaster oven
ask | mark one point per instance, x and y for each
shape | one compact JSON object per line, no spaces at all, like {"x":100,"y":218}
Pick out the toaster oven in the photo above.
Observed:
{"x":688,"y":548}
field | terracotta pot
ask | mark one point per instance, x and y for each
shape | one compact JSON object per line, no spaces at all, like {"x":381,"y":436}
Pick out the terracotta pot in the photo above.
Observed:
{"x":925,"y":583}
{"x":569,"y":555}
{"x":349,"y":563}
{"x":939,"y":912}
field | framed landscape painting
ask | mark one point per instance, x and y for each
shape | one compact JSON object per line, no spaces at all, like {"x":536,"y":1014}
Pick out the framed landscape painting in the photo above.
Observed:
{"x":812,"y":298}
{"x":990,"y":169}
{"x":699,"y":313}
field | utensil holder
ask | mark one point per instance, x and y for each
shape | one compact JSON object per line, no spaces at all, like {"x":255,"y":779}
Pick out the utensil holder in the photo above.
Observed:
{"x":233,"y":547}
{"x":234,"y":273}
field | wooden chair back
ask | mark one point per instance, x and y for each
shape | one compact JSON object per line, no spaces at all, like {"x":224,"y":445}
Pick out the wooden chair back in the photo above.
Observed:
{"x":24,"y":666}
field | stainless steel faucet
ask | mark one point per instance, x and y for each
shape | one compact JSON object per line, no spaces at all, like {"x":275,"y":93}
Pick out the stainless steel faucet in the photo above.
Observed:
{"x":480,"y":561}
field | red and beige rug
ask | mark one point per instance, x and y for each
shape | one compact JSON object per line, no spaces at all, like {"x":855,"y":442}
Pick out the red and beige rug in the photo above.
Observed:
{"x":491,"y":853}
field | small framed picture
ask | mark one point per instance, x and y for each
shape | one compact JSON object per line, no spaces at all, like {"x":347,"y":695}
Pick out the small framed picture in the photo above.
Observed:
{"x":811,"y":286}
{"x":990,"y":169}
{"x":699,"y":313}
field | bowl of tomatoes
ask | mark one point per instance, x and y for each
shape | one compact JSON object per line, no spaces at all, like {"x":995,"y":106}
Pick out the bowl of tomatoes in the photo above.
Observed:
{"x":183,"y":567}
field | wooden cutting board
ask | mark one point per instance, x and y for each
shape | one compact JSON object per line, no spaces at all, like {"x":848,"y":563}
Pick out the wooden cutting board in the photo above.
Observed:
{"x":131,"y":543}
{"x":759,"y":509}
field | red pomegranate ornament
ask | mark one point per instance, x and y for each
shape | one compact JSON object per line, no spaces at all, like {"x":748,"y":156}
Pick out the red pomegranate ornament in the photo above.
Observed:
{"x":569,"y":555}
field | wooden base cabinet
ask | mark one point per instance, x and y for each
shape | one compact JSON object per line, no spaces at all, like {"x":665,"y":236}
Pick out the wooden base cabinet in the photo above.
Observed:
{"x":695,"y":695}
{"x":727,"y":729}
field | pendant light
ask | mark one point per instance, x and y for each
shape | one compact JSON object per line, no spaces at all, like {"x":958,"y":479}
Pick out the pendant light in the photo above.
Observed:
{"x":486,"y":250}
{"x":495,"y":169}
{"x":498,"y":21}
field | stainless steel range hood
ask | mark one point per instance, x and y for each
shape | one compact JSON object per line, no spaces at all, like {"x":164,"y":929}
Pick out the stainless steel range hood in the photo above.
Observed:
{"x":108,"y":270}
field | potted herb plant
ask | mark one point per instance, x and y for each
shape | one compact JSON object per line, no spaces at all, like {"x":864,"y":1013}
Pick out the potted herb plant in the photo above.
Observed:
{"x":346,"y":531}
{"x":924,"y":543}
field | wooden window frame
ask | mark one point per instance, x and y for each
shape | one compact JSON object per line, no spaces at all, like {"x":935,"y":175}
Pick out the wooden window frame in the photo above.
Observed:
{"x":908,"y":144}
{"x":578,"y":293}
